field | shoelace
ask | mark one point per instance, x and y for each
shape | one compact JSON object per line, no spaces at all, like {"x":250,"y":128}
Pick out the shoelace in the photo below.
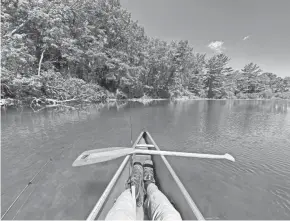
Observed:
{"x":149,"y":174}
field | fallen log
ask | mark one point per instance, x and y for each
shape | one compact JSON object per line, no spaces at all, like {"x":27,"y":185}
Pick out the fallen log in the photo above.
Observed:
{"x":43,"y":103}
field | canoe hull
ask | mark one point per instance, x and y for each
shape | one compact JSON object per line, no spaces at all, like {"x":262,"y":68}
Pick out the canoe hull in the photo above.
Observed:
{"x":166,"y":180}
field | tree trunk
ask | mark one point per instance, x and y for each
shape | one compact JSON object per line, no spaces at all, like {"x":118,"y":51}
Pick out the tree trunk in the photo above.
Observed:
{"x":40,"y":61}
{"x":210,"y":86}
{"x":210,"y":92}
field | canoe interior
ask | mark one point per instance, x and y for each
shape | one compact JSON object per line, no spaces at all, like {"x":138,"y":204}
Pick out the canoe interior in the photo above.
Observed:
{"x":164,"y":179}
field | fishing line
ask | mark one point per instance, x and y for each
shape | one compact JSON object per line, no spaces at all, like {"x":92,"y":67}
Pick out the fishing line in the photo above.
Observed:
{"x":131,"y":160}
{"x":131,"y":130}
{"x":28,"y":184}
{"x":28,"y":197}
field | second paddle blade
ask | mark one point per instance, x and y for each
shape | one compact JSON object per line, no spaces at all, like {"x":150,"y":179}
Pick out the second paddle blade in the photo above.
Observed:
{"x":101,"y":155}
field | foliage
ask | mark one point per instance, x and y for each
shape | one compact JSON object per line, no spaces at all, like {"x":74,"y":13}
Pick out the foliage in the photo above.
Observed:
{"x":216,"y":67}
{"x":284,"y":95}
{"x":267,"y":94}
{"x":66,"y":49}
{"x":52,"y":85}
{"x":248,"y":83}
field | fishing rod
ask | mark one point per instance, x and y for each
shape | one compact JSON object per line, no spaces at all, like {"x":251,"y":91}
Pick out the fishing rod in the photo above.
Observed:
{"x":29,"y":184}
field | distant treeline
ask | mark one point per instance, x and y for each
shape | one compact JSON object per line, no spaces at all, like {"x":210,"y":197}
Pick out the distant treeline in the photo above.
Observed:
{"x":92,"y":50}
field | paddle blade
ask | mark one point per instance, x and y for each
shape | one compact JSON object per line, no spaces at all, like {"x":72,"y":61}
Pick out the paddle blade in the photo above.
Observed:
{"x":101,"y":155}
{"x":229,"y":157}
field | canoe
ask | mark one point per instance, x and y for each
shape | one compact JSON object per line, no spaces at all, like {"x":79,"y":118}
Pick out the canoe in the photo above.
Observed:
{"x":166,"y":180}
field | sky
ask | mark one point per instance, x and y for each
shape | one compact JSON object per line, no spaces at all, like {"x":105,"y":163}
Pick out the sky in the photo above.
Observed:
{"x":246,"y":30}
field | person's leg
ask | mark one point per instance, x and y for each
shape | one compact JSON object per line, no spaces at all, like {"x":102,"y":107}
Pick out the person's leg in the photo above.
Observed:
{"x":157,"y":205}
{"x":124,"y":208}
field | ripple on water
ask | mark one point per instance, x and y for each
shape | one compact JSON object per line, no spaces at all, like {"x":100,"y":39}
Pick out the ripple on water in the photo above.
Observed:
{"x":256,"y":186}
{"x":283,"y":193}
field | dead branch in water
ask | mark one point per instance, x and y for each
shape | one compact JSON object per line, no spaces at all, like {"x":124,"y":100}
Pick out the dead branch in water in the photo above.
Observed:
{"x":50,"y":103}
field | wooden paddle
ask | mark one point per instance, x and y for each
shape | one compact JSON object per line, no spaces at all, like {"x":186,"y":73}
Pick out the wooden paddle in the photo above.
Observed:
{"x":106,"y":154}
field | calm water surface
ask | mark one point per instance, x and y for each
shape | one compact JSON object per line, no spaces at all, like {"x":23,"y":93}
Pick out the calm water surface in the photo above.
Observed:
{"x":256,"y":133}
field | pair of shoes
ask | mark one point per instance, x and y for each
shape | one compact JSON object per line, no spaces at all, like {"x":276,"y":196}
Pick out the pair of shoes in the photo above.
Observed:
{"x":139,"y":174}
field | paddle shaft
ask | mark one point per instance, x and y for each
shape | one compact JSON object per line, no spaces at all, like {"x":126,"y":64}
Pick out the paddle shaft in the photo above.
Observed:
{"x":180,"y":154}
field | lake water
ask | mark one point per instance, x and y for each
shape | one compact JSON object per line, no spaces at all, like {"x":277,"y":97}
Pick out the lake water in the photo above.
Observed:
{"x":256,"y":133}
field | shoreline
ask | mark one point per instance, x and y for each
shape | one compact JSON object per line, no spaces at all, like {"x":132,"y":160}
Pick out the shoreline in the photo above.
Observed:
{"x":14,"y":102}
{"x":189,"y":99}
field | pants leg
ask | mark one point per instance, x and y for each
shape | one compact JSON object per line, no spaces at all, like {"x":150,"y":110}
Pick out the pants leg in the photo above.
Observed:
{"x":124,"y":208}
{"x":158,"y":206}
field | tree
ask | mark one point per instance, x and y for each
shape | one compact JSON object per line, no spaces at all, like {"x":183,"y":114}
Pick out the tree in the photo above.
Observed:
{"x":286,"y":82}
{"x":248,"y":83}
{"x":197,"y":74}
{"x":216,"y":66}
{"x":231,"y":82}
{"x":180,"y":65}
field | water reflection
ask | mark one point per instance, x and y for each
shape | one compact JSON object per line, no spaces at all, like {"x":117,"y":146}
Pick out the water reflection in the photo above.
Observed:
{"x":255,"y":132}
{"x":274,"y":106}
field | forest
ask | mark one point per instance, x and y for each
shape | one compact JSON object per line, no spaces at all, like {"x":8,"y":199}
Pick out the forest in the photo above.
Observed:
{"x":92,"y":51}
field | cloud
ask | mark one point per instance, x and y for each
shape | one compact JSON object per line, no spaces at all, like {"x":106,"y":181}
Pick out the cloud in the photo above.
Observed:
{"x":217,"y":46}
{"x":247,"y":37}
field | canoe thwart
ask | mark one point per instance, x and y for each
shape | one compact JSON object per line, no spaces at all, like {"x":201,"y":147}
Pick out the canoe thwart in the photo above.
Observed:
{"x":145,"y":145}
